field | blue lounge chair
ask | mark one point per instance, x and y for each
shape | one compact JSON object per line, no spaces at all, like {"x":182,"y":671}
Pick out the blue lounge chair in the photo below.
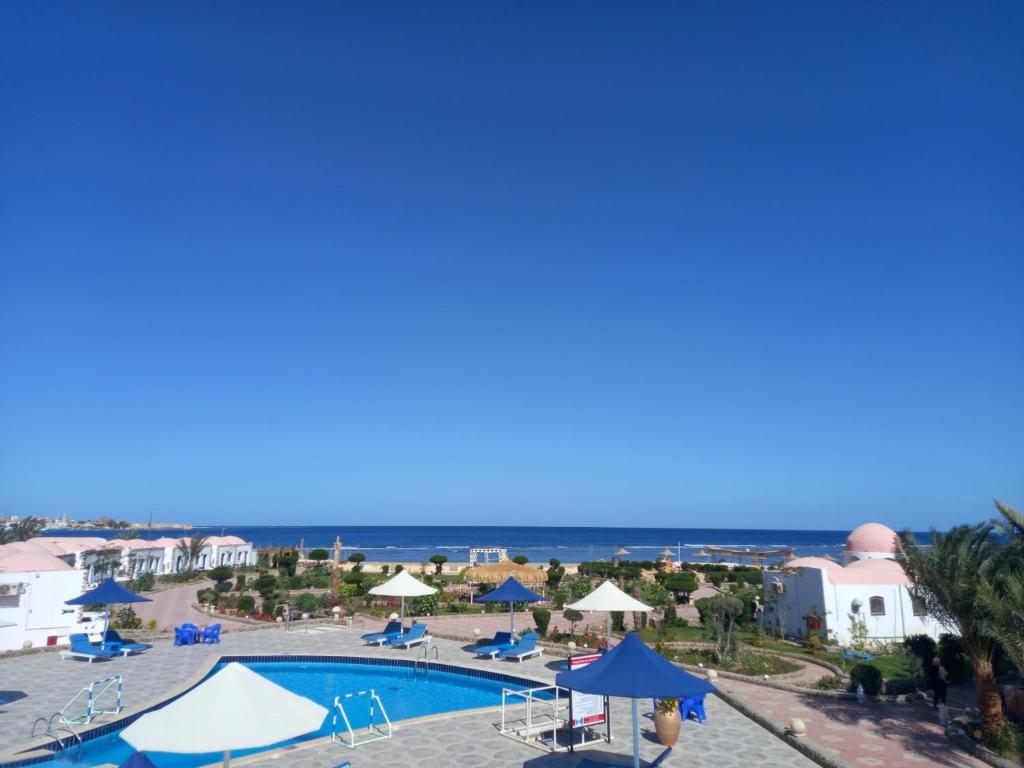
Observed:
{"x":184,"y":635}
{"x":524,"y":649}
{"x":502,"y":641}
{"x":211,"y":634}
{"x":417,"y":634}
{"x":391,"y":631}
{"x":81,"y":648}
{"x":126,"y":646}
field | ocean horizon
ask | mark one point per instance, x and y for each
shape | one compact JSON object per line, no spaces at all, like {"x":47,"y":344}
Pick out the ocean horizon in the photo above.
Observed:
{"x":381,"y":543}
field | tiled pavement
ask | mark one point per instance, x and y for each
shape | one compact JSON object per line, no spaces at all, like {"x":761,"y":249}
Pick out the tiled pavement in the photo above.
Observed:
{"x":727,"y":740}
{"x":878,"y":735}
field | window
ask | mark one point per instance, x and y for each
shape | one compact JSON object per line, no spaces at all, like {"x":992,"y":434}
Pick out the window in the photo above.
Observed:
{"x":877,"y":606}
{"x":918,"y":605}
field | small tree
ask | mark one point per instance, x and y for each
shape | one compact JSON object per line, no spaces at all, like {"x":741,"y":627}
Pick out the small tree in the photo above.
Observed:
{"x":684,"y":583}
{"x":357,"y":559}
{"x":246,"y":604}
{"x":221,"y":574}
{"x":555,"y":573}
{"x":723,"y":613}
{"x":542,"y":618}
{"x":572,"y":616}
{"x":265,"y":585}
{"x":438,"y":561}
{"x":287,"y":562}
{"x":319,"y":556}
{"x":521,"y":559}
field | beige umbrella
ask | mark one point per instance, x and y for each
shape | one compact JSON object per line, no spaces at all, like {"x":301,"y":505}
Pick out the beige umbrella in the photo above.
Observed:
{"x":235,"y":709}
{"x":608,"y":598}
{"x":498,"y":573}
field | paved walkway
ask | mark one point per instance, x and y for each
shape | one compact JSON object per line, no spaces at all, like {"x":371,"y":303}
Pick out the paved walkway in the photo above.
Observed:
{"x":727,"y":740}
{"x":886,"y":735}
{"x":173,"y":606}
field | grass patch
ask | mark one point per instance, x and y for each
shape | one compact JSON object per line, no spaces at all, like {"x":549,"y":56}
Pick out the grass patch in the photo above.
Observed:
{"x":753,"y":664}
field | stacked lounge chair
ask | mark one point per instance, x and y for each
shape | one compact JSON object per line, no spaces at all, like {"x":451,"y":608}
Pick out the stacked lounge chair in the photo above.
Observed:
{"x":114,"y":641}
{"x":524,"y":649}
{"x":81,"y":648}
{"x":391,"y":631}
{"x":416,"y":635}
{"x":501,"y":641}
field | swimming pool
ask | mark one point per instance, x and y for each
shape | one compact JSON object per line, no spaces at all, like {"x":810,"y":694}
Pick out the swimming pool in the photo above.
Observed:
{"x":406,"y":692}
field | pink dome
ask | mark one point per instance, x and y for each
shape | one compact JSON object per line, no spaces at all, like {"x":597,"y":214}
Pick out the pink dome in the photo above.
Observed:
{"x":871,"y":537}
{"x":813,"y":562}
{"x":880,"y":571}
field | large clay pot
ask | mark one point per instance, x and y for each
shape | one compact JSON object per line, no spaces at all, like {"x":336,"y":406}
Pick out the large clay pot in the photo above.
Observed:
{"x":667,"y":725}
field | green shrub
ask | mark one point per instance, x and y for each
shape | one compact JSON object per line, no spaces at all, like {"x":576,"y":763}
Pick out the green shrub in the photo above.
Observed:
{"x":144,"y":582}
{"x":126,"y":618}
{"x":265,"y":585}
{"x":899,"y":686}
{"x":222,"y":587}
{"x":830,"y":683}
{"x":572,"y":616}
{"x":716,"y":579}
{"x":951,"y":653}
{"x":246,"y":604}
{"x":206,"y":595}
{"x":867,"y":675}
{"x":221,"y":573}
{"x":618,"y":621}
{"x":421,"y":606}
{"x":542,"y":618}
{"x":307,"y":602}
{"x":240,"y":582}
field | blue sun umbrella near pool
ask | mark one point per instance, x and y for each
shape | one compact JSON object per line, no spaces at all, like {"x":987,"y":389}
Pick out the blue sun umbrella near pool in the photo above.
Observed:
{"x":234,"y":709}
{"x":511,"y":592}
{"x":108,"y":593}
{"x":634,"y":671}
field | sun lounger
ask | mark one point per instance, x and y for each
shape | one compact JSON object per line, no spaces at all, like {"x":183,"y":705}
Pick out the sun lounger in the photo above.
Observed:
{"x":416,"y":635}
{"x":502,"y":641}
{"x":114,"y":641}
{"x":81,"y":648}
{"x":524,"y":649}
{"x":391,"y":631}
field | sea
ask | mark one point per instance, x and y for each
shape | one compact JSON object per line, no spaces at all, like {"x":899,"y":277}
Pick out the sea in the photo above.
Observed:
{"x":539,"y":544}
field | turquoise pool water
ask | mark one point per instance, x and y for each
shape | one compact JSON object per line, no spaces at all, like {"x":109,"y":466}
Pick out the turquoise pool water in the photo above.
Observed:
{"x":405,"y":693}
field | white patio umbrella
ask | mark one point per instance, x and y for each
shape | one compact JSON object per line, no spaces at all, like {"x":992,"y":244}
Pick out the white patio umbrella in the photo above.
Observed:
{"x":403,"y":585}
{"x":608,"y":598}
{"x":234,"y":709}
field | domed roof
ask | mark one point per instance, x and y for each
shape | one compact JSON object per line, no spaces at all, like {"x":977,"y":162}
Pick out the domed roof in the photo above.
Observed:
{"x":879,"y":571}
{"x":813,"y":562}
{"x":871,"y":537}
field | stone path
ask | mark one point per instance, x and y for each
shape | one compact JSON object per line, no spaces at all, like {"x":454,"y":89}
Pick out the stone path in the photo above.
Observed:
{"x":173,"y":606}
{"x":886,"y":735}
{"x":43,"y":684}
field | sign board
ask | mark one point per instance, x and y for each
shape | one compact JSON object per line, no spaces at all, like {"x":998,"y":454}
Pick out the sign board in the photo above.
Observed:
{"x":586,"y":708}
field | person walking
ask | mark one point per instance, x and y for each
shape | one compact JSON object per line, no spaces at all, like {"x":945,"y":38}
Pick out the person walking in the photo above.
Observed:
{"x":940,"y":683}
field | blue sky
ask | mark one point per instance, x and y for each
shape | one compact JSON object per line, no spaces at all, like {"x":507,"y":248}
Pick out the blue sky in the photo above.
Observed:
{"x":754,"y":265}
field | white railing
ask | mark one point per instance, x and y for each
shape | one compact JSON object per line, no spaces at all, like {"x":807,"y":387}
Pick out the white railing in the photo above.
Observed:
{"x":542,"y":719}
{"x":373,"y":731}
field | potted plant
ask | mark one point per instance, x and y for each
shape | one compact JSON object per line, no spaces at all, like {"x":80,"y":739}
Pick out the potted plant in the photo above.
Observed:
{"x":667,"y":722}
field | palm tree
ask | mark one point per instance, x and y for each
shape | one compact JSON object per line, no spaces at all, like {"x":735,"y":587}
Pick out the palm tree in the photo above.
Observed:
{"x":23,"y":530}
{"x":950,"y":576}
{"x":191,"y":549}
{"x":1002,"y":592}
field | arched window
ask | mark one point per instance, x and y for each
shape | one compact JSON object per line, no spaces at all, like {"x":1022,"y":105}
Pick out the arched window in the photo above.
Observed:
{"x":877,"y":606}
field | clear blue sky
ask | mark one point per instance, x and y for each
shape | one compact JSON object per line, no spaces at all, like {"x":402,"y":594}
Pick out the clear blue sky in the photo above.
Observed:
{"x":753,"y":265}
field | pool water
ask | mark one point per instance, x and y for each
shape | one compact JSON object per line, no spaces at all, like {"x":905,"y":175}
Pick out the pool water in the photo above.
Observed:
{"x":405,"y":692}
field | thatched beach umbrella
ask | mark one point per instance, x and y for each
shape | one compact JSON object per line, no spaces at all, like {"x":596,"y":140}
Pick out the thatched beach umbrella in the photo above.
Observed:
{"x":497,"y":573}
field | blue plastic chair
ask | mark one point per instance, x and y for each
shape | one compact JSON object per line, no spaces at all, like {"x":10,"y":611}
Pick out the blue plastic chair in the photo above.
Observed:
{"x":693,"y":705}
{"x":184,"y":635}
{"x":211,"y":635}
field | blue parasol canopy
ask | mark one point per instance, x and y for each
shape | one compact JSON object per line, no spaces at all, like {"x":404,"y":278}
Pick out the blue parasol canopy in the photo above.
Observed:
{"x":633,"y":670}
{"x":138,"y":760}
{"x":511,"y":592}
{"x":107,"y":593}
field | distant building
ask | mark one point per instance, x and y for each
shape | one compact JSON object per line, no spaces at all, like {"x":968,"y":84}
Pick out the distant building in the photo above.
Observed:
{"x":868,"y":593}
{"x":38,"y":575}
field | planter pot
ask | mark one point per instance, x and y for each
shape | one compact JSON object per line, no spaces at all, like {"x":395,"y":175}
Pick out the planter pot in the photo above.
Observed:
{"x":666,"y":726}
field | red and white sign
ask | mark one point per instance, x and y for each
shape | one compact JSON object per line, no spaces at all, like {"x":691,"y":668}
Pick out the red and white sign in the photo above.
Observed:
{"x":587,"y":708}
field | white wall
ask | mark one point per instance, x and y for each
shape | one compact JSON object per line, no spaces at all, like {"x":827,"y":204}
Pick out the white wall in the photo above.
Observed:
{"x":37,"y":607}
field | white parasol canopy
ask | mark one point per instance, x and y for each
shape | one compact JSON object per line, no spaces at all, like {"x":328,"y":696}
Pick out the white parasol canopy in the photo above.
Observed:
{"x":403,"y":585}
{"x":608,"y":597}
{"x":234,"y":709}
{"x":5,"y":624}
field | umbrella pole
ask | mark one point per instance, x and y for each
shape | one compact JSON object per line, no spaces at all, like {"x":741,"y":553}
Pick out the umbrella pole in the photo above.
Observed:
{"x":402,"y":617}
{"x":636,"y":737}
{"x":227,"y":755}
{"x":511,"y":618}
{"x":609,"y":630}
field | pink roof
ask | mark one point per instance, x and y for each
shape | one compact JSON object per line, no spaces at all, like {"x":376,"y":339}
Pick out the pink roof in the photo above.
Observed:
{"x":813,"y":562}
{"x":166,"y":541}
{"x":878,"y":571}
{"x":871,"y":537}
{"x":230,"y":541}
{"x":18,"y":559}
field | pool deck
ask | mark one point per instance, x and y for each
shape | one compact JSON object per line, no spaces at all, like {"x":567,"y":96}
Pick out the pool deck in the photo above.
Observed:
{"x":40,"y":684}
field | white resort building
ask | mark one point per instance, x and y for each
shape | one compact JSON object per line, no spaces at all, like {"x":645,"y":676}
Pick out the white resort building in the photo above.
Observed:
{"x":38,"y":575}
{"x":868,"y":594}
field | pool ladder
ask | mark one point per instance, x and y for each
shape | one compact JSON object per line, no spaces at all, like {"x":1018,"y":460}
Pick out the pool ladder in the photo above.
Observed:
{"x":53,"y":730}
{"x":423,"y":656}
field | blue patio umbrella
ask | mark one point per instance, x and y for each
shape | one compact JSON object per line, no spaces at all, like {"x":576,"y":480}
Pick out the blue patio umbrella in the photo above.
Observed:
{"x":107,"y":593}
{"x":634,"y":671}
{"x":511,"y":592}
{"x":138,"y":760}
